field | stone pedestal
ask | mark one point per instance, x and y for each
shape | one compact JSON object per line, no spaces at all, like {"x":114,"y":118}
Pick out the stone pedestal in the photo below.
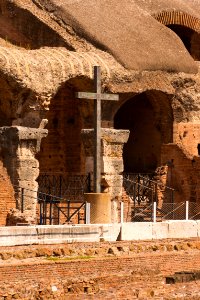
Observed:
{"x":112,"y":142}
{"x":18,"y":147}
{"x":100,"y":207}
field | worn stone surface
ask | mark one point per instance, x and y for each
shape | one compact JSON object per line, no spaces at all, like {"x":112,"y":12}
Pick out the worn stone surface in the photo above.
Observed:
{"x":112,"y":142}
{"x":121,"y":269}
{"x":18,"y":147}
{"x":47,"y":53}
{"x":15,"y":217}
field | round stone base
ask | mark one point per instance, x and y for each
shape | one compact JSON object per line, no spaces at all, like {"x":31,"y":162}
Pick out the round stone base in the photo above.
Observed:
{"x":100,"y":207}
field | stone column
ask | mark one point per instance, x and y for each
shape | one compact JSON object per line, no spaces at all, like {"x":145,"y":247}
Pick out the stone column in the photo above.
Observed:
{"x":18,"y":146}
{"x":112,"y":142}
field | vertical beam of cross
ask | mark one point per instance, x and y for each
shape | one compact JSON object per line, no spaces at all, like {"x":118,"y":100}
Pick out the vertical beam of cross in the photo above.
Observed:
{"x":97,"y":131}
{"x":97,"y":96}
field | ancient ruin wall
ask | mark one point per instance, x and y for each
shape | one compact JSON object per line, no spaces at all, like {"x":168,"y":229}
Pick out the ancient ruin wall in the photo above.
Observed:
{"x":61,"y":150}
{"x":117,"y":271}
{"x":7,"y":199}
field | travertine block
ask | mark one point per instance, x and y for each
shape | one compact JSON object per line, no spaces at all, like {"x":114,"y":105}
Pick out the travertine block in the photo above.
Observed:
{"x":20,"y":145}
{"x":112,"y":142}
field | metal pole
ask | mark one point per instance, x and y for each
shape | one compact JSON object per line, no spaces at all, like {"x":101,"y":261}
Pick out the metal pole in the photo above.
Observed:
{"x":60,"y":186}
{"x":87,"y":210}
{"x":187,"y":210}
{"x":58,"y":215}
{"x":97,"y":130}
{"x":22,"y":200}
{"x":45,"y":212}
{"x":50,"y":211}
{"x":122,"y":212}
{"x":68,"y":210}
{"x":40,"y":212}
{"x":154,"y":212}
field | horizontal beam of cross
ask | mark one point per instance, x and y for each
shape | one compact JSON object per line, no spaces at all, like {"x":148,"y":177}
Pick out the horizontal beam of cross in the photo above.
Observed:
{"x":90,"y":96}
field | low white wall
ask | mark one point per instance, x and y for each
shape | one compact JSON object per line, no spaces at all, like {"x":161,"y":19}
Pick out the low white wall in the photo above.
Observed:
{"x":136,"y":231}
{"x":58,"y":234}
{"x":160,"y":230}
{"x":45,"y":234}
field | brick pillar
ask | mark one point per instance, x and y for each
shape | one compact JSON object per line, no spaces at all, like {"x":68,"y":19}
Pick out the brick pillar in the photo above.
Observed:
{"x":19,"y":146}
{"x":112,"y":142}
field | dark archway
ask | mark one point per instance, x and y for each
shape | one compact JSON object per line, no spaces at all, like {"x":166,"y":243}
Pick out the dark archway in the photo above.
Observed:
{"x":62,"y":151}
{"x":189,"y":37}
{"x":150,"y":124}
{"x":185,"y":26}
{"x":62,"y":157}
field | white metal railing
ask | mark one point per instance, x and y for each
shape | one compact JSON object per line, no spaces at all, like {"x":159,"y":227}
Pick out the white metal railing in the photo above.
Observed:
{"x":169,"y":211}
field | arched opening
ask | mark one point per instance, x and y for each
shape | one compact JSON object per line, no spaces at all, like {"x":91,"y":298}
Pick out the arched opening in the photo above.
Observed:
{"x":61,"y":150}
{"x":189,"y":37}
{"x":62,"y":158}
{"x":148,"y":117}
{"x":7,"y":196}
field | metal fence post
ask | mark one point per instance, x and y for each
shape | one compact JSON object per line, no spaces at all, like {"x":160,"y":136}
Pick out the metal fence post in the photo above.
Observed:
{"x":187,"y":210}
{"x":87,"y":211}
{"x":22,"y":200}
{"x":122,"y":212}
{"x":154,"y":211}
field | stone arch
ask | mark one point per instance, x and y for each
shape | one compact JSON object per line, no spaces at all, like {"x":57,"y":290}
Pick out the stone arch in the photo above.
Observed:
{"x":149,"y":118}
{"x":7,"y":196}
{"x":62,"y":151}
{"x":27,"y":30}
{"x":179,"y":18}
{"x":187,"y":27}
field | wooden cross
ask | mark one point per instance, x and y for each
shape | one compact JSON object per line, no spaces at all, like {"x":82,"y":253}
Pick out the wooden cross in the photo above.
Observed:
{"x":97,"y":97}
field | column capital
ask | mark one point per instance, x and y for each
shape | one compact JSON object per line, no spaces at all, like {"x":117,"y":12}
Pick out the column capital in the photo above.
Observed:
{"x":13,"y":135}
{"x":109,"y":134}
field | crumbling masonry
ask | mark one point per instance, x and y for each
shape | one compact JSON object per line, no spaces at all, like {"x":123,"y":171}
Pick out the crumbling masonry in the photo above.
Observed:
{"x":47,"y":53}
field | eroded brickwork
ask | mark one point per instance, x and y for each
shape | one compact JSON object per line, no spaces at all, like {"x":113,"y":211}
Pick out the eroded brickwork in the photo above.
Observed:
{"x":7,"y":199}
{"x":188,"y":136}
{"x":195,"y":41}
{"x":61,"y":152}
{"x":134,"y":270}
{"x":25,"y":30}
{"x":182,"y":173}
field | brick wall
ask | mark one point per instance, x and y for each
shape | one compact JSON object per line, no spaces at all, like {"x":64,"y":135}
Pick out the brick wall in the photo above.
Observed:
{"x":7,"y":200}
{"x":166,"y":264}
{"x":122,"y":277}
{"x":61,"y":151}
{"x":187,"y":135}
{"x":195,"y":41}
{"x":26,"y":30}
{"x":182,"y":173}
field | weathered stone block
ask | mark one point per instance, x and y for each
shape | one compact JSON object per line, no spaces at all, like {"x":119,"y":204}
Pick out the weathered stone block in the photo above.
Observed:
{"x":160,"y":230}
{"x":112,"y":165}
{"x":20,"y":145}
{"x":182,"y":229}
{"x":136,"y":231}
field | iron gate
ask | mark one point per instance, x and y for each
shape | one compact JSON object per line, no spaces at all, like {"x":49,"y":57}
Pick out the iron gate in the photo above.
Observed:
{"x":144,"y":191}
{"x":61,"y":198}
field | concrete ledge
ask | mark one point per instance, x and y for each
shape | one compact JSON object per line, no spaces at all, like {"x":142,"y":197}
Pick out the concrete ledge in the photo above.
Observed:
{"x":160,"y":230}
{"x":112,"y":232}
{"x":136,"y":231}
{"x":58,"y":234}
{"x":45,"y":234}
{"x":182,"y":229}
{"x":198,"y":228}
